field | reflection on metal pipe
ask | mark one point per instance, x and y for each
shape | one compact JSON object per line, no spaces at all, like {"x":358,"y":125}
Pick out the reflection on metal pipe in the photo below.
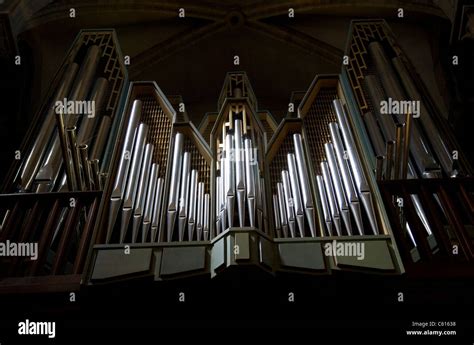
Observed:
{"x":410,"y":234}
{"x":276,"y":213}
{"x":282,"y":208}
{"x":222,"y":208}
{"x":379,"y":167}
{"x":95,"y":173}
{"x":398,"y":150}
{"x":71,"y":137}
{"x":439,"y":146}
{"x":200,"y":215}
{"x":142,"y":191}
{"x":206,"y":217}
{"x":71,"y":180}
{"x":101,"y":138}
{"x":376,"y":96}
{"x":421,"y":213}
{"x":419,"y":149}
{"x":150,"y":201}
{"x":192,"y":203}
{"x":239,"y":170}
{"x":120,"y":181}
{"x":86,"y":74}
{"x":184,"y":195}
{"x":229,"y":190}
{"x":289,"y":202}
{"x":417,"y":203}
{"x":173,"y":205}
{"x":331,"y":197}
{"x":157,"y":210}
{"x":374,"y":134}
{"x":85,"y":166}
{"x":357,"y":170}
{"x":250,"y":160}
{"x":33,"y":160}
{"x":338,"y":188}
{"x":324,"y":204}
{"x":124,"y":162}
{"x":88,"y":123}
{"x":384,"y":71}
{"x":218,"y":204}
{"x":296,"y":192}
{"x":304,"y":180}
{"x":132,"y":181}
{"x":5,"y":218}
{"x":358,"y":173}
{"x":48,"y":174}
{"x":406,"y":145}
{"x":349,"y":187}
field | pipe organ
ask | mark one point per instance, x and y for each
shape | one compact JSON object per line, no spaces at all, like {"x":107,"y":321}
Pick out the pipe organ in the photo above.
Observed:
{"x":407,"y":146}
{"x":52,"y":195}
{"x":132,"y":188}
{"x":237,"y":142}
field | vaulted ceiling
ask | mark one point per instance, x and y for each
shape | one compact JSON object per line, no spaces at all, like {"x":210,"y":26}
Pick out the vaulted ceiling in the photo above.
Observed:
{"x":190,"y":56}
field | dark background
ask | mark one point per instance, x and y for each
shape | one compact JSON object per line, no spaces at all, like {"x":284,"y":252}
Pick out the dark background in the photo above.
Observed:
{"x":249,"y":309}
{"x":190,"y":57}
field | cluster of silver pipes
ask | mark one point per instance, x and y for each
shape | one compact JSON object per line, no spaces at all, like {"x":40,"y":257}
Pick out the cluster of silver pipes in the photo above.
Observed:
{"x":400,"y":148}
{"x":341,"y":188}
{"x":187,"y":199}
{"x":79,"y":140}
{"x":385,"y":130}
{"x":137,"y":187}
{"x":294,"y":200}
{"x":238,"y":181}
